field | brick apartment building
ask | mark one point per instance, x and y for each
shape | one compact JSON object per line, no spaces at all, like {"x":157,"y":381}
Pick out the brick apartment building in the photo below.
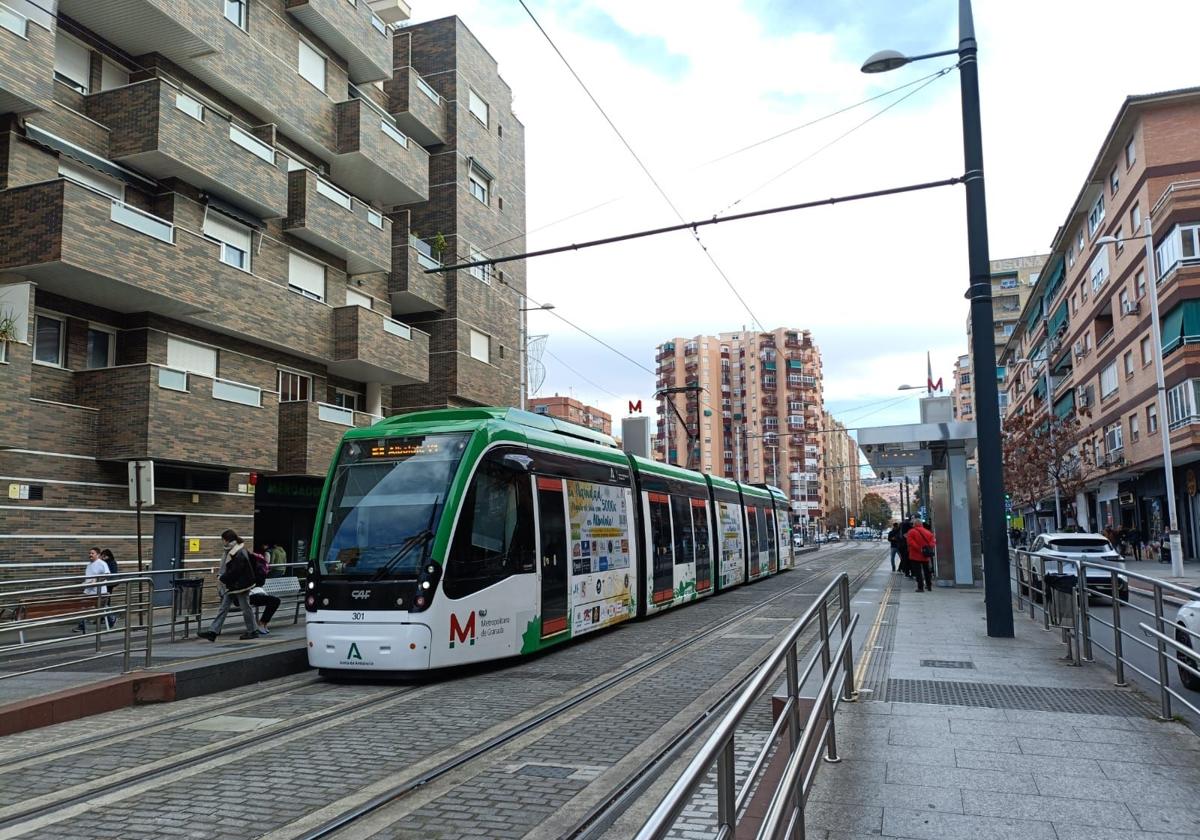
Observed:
{"x":757,"y":414}
{"x":1089,"y":318}
{"x":963,"y":392}
{"x":215,"y":219}
{"x":568,"y":408}
{"x":840,"y":474}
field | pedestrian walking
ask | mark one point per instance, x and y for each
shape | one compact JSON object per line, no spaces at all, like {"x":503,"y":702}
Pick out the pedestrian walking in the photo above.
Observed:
{"x":1135,"y":543}
{"x":109,"y":560}
{"x":237,"y":576}
{"x":94,"y":585}
{"x":899,"y":549}
{"x":920,"y":554}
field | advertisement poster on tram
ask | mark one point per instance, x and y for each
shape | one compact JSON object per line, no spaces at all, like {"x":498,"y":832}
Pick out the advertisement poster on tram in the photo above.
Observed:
{"x":599,"y":516}
{"x":732,"y":567}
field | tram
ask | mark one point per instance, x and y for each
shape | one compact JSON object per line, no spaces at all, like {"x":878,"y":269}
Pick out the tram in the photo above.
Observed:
{"x":455,"y":536}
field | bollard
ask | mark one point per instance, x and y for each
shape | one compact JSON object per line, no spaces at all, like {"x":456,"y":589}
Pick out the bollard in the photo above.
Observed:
{"x":1163,"y":670}
{"x":1118,"y":651}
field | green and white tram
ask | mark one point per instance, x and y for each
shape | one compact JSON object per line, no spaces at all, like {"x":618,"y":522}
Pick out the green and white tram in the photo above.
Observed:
{"x":461,"y":535}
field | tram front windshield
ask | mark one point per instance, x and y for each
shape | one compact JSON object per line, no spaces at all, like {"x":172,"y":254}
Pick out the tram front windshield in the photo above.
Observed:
{"x":387,"y":495}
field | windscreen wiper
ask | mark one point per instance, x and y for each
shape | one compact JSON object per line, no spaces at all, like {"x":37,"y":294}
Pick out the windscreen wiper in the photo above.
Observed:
{"x":419,"y":538}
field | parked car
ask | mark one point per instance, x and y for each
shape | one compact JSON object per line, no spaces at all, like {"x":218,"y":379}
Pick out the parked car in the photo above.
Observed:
{"x":1187,"y":633}
{"x":1058,"y":552}
{"x":832,"y":536}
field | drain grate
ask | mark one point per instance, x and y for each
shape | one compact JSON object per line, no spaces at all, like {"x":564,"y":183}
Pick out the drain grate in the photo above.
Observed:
{"x":1028,"y":697}
{"x":947,"y":663}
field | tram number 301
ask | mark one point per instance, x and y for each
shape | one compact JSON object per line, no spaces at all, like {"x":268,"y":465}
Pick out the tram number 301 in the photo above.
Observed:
{"x":358,"y":616}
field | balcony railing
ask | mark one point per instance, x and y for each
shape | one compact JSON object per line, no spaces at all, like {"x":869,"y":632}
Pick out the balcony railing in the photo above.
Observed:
{"x":140,"y":220}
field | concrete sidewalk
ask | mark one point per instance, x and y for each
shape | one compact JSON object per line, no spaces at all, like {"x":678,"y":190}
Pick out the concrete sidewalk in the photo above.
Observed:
{"x":966,"y":736}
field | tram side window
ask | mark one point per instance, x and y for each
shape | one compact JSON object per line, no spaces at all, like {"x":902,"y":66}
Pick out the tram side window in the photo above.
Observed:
{"x":494,"y":538}
{"x":661,"y":564}
{"x":772,"y":536}
{"x":763,"y":545}
{"x":700,"y":524}
{"x":752,"y":527}
{"x":682,"y":517}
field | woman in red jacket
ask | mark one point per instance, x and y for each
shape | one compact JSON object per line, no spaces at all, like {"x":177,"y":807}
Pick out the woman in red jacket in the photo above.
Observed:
{"x":920,"y":554}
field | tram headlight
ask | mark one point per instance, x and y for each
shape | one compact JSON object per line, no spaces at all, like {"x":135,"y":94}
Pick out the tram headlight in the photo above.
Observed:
{"x":426,"y":584}
{"x":420,"y":602}
{"x":312,"y":584}
{"x":310,"y":603}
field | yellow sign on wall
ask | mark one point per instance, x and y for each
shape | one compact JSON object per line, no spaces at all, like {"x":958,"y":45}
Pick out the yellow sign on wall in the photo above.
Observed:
{"x":193,"y":544}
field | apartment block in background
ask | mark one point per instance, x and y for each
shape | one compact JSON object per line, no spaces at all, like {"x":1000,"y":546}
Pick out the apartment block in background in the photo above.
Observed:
{"x":209,"y":253}
{"x":1088,"y":318}
{"x":963,"y":392}
{"x":568,"y":408}
{"x":841,"y":475}
{"x":756,"y":413}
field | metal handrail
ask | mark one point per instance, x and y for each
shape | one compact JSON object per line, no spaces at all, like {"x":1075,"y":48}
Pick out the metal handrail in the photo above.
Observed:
{"x":1166,"y":648}
{"x":718,"y":750}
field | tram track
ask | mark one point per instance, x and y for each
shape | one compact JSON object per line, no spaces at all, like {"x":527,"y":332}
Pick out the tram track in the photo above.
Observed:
{"x":399,"y":791}
{"x":601,"y":816}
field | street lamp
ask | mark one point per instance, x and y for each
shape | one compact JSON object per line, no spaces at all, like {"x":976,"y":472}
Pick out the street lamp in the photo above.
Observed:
{"x":997,"y":595}
{"x":524,"y":349}
{"x":1164,"y":426}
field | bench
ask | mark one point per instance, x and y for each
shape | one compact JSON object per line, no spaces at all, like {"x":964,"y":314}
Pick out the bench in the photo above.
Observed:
{"x":286,"y":589}
{"x":44,"y":608}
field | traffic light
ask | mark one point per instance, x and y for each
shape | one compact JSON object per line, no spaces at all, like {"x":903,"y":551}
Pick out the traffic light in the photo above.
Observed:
{"x":851,"y":521}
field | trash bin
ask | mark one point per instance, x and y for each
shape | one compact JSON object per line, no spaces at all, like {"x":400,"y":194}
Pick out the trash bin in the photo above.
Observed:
{"x":187,"y":597}
{"x":1063,"y":598}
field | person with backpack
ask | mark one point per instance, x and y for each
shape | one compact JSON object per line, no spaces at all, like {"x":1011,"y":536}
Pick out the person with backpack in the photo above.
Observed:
{"x":109,"y":560}
{"x":920,"y":554}
{"x":238,"y":574}
{"x":259,"y":597}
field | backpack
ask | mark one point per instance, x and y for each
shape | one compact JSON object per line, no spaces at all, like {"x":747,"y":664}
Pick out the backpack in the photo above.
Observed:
{"x":261,"y":565}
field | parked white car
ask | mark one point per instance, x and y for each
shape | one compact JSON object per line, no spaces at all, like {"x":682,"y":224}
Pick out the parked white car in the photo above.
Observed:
{"x":1187,"y":633}
{"x":1059,"y":551}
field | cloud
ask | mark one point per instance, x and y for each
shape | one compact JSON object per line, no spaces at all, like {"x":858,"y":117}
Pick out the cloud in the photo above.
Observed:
{"x":648,"y":51}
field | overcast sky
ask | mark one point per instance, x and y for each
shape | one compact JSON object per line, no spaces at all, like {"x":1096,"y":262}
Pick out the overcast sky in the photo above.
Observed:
{"x":878,"y":283}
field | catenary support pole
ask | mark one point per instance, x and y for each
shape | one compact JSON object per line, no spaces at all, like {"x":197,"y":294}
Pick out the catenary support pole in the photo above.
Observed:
{"x":997,"y":600}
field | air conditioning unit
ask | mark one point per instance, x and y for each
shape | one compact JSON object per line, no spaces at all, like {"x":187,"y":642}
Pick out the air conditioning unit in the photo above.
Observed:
{"x":1131,"y":307}
{"x":1079,"y":351}
{"x":1084,"y":399}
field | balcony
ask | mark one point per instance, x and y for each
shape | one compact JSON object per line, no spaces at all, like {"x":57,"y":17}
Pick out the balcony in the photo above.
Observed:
{"x":163,"y":414}
{"x":177,"y":29}
{"x":158,"y":129}
{"x":419,"y":110}
{"x":353,"y":30}
{"x":370,"y":347}
{"x":411,"y":288}
{"x":309,"y":434}
{"x":324,"y":216}
{"x":374,"y":158}
{"x":96,"y":250}
{"x":27,"y":44}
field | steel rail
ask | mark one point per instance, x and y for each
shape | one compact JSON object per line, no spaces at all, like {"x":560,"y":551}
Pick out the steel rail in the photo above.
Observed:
{"x":401,"y":789}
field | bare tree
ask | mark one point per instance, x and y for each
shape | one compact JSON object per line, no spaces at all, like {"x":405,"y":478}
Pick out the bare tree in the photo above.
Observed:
{"x":1043,"y":454}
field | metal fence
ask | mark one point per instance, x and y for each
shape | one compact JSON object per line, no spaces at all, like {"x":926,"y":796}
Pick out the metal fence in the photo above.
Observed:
{"x":35,"y":613}
{"x":784,"y":815}
{"x":1172,"y":643}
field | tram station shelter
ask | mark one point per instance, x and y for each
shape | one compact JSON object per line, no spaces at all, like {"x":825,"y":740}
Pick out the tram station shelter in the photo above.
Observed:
{"x":935,"y":454}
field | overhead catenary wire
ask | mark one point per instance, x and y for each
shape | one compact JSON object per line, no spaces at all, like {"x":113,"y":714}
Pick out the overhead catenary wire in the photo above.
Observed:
{"x":581,"y":376}
{"x":749,"y":214}
{"x":642,"y":165}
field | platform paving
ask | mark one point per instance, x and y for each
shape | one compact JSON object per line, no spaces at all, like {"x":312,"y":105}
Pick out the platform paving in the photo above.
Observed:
{"x":1032,"y":748}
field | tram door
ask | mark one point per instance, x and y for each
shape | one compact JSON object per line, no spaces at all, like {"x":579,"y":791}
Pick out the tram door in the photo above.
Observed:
{"x":703,"y":546}
{"x":552,"y":527}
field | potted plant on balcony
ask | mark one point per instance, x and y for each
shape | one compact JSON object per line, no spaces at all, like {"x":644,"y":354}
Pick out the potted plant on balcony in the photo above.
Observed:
{"x":8,"y":332}
{"x":439,"y":245}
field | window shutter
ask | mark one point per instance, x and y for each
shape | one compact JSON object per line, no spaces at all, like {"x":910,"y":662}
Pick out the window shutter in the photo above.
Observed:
{"x":72,"y":60}
{"x":354,"y":298}
{"x":312,"y":65}
{"x":226,"y":230}
{"x":306,"y":274}
{"x":81,"y":174}
{"x":480,"y":346}
{"x":196,"y":358}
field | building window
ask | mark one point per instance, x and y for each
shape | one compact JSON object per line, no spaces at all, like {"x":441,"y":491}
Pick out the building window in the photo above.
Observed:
{"x":1008,"y":329}
{"x":480,"y":346}
{"x":1114,"y":181}
{"x":1139,"y":283}
{"x":306,"y":276}
{"x":1114,"y":438}
{"x":294,"y":387}
{"x":477,"y":107}
{"x":965,"y":379}
{"x":1123,"y":301}
{"x":112,"y":75}
{"x":311,"y":65}
{"x":1151,"y":419}
{"x":48,"y":334}
{"x":1128,"y":363}
{"x":192,"y":357}
{"x":1008,"y":282}
{"x":1130,"y":153}
{"x":1181,"y":404}
{"x":1099,"y":270}
{"x":72,"y":62}
{"x":479,"y":185}
{"x":1146,"y":351}
{"x":347,"y":399}
{"x":235,"y":12}
{"x":1182,"y":244}
{"x":1108,"y":380}
{"x":1135,"y":430}
{"x":482,"y":273}
{"x":1079,"y":241}
{"x":1095,"y":218}
{"x":1070,"y":256}
{"x":101,"y":348}
{"x":1135,"y":220}
{"x":233,"y":238}
{"x":90,"y":178}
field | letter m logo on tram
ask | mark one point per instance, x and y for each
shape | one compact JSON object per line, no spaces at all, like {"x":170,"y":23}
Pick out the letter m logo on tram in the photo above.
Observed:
{"x":459,"y":632}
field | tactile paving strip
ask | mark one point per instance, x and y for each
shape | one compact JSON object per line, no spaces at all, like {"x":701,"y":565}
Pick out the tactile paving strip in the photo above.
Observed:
{"x":1027,"y":697}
